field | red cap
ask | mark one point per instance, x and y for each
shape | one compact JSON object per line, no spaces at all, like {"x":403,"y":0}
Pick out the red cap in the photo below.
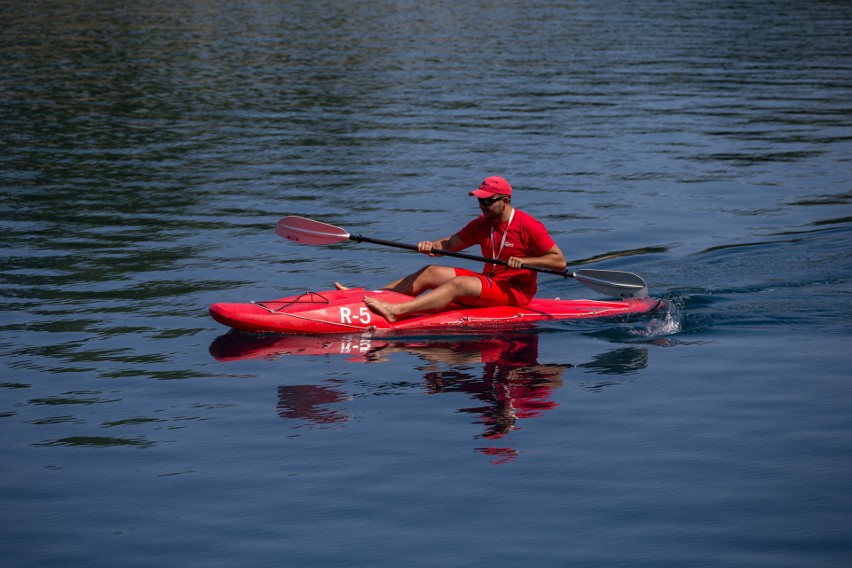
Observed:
{"x":494,"y":185}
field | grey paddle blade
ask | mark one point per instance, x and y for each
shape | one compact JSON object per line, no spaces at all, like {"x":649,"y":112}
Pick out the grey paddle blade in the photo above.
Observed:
{"x":613,"y":283}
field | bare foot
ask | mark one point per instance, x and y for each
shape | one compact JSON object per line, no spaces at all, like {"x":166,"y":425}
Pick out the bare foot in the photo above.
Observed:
{"x":339,"y":286}
{"x":384,"y":309}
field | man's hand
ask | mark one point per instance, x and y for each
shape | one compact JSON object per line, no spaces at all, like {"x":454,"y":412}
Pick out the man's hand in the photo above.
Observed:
{"x":515,"y":262}
{"x":426,"y":247}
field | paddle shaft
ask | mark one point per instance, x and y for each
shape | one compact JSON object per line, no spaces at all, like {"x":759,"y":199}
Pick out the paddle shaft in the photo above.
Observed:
{"x":607,"y":282}
{"x":359,"y":239}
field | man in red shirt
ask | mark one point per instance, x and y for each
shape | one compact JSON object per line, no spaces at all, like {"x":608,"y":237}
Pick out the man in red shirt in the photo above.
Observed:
{"x":502,"y":232}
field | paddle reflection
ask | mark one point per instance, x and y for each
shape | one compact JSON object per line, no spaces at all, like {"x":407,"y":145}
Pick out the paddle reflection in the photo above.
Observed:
{"x":311,"y":403}
{"x":501,"y":373}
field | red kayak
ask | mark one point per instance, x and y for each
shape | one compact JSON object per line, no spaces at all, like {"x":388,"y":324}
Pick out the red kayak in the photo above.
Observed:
{"x":344,"y":311}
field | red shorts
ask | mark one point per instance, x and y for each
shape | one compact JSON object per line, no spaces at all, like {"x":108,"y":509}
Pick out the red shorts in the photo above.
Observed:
{"x":494,"y":292}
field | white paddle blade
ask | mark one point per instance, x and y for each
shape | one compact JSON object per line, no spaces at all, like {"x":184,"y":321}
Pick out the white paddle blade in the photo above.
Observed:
{"x":613,"y":283}
{"x":309,"y":232}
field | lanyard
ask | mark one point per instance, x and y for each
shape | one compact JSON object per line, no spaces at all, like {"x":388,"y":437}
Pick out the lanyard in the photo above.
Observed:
{"x":502,"y":242}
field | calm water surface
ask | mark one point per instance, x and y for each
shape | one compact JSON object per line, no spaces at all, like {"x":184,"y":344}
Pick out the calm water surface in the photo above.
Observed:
{"x":149,"y":148}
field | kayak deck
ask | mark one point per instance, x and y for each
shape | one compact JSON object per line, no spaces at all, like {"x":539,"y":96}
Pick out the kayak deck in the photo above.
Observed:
{"x":344,"y":311}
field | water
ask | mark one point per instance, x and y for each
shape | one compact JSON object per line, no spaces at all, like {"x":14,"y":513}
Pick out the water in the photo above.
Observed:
{"x":149,"y":148}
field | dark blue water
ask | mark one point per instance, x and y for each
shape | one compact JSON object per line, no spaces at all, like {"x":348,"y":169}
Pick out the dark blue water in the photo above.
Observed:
{"x":149,"y":148}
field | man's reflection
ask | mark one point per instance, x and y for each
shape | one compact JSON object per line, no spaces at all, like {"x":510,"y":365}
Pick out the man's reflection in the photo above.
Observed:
{"x":512,"y":386}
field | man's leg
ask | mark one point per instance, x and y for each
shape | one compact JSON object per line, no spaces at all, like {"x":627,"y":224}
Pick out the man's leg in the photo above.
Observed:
{"x":427,"y":278}
{"x":440,"y":297}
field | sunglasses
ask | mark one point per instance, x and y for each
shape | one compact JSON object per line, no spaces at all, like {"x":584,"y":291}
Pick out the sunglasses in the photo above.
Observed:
{"x":490,"y":201}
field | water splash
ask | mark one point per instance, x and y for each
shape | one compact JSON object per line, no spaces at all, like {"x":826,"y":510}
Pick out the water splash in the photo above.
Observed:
{"x":666,"y":321}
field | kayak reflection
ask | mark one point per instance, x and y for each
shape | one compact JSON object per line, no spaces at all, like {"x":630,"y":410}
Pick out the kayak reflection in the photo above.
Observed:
{"x":501,"y":372}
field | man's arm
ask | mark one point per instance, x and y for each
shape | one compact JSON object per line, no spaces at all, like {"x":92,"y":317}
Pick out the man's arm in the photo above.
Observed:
{"x":552,"y":259}
{"x":452,"y":244}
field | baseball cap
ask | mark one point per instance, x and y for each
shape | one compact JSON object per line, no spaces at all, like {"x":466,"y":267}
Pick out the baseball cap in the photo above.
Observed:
{"x":494,"y":185}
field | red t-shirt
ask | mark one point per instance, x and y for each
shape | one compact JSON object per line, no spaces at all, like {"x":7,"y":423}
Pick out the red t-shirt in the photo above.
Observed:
{"x":527,"y":236}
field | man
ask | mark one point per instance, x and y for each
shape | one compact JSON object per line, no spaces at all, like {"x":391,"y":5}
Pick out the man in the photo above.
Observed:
{"x":502,"y":232}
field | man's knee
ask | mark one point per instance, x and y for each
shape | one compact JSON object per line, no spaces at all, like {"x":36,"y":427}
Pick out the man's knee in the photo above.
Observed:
{"x":466,"y":286}
{"x":437,"y":274}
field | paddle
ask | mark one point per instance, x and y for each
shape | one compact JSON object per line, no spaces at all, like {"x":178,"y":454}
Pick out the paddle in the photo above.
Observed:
{"x":607,"y":282}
